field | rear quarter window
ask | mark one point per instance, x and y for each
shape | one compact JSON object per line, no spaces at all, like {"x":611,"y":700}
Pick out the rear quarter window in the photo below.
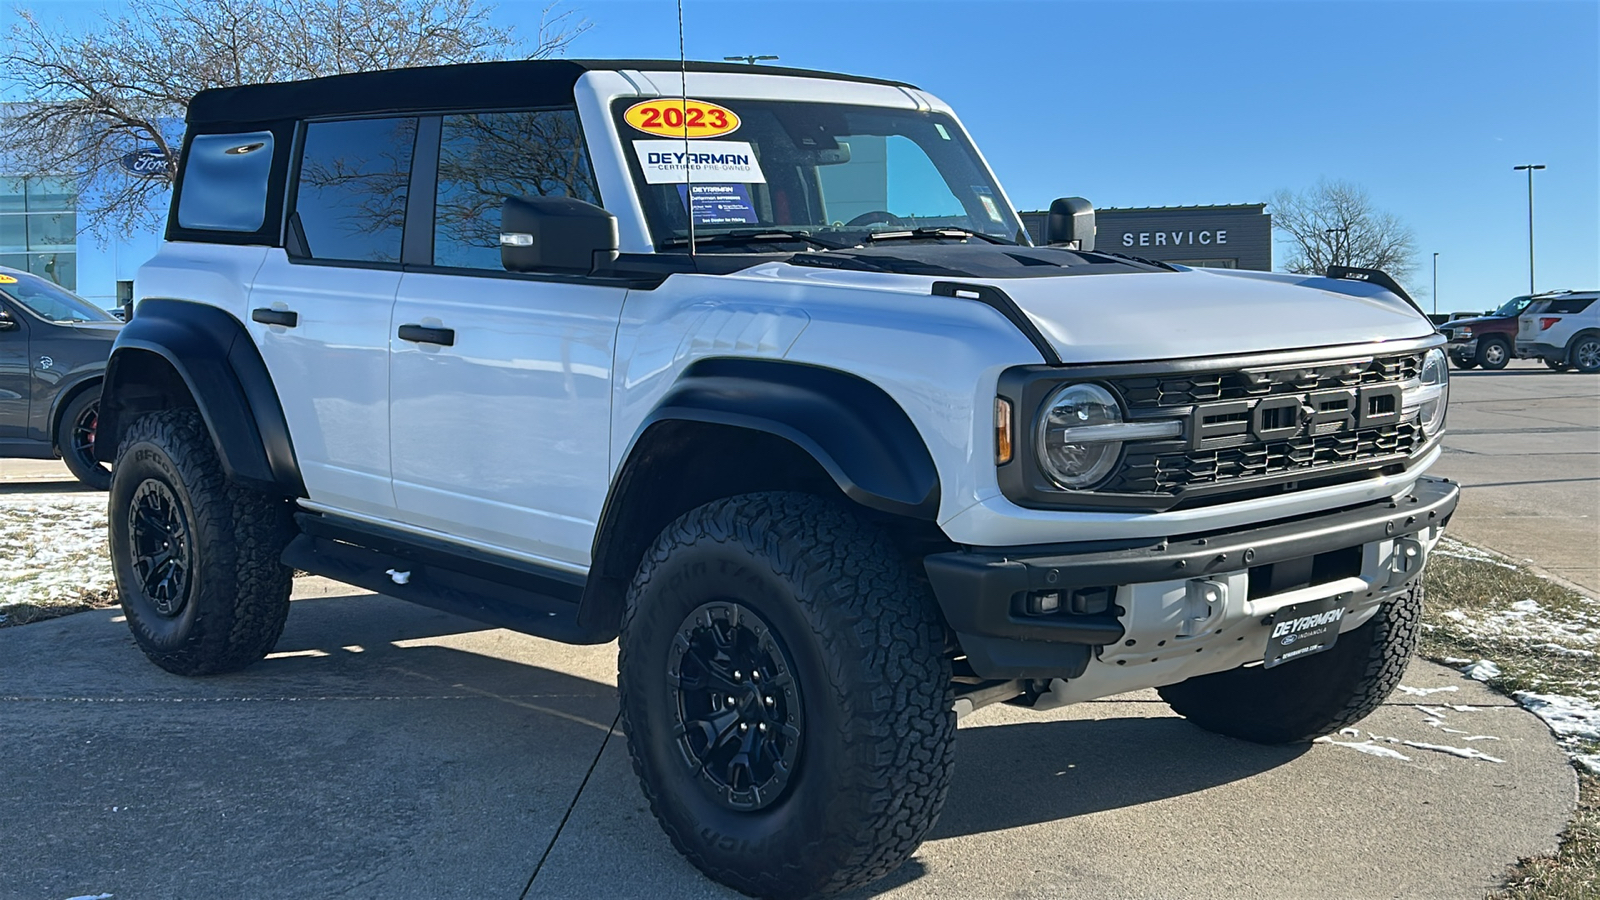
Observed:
{"x":225,"y":182}
{"x":1566,"y":306}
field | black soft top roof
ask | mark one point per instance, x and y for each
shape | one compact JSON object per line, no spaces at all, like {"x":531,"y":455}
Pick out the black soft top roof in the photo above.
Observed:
{"x":516,"y":83}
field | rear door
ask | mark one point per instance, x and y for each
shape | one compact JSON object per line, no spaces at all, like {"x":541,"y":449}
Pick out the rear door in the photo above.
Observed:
{"x":500,"y":405}
{"x":320,"y":308}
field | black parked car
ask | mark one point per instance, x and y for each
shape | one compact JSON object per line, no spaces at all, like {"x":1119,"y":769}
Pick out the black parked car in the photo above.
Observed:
{"x":53,"y":350}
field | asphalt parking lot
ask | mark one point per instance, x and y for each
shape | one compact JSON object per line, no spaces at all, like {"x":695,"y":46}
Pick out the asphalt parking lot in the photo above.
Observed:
{"x":1524,"y":443}
{"x":389,"y":750}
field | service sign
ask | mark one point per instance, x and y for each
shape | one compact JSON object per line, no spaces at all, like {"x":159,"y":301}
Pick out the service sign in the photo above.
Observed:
{"x":680,"y":118}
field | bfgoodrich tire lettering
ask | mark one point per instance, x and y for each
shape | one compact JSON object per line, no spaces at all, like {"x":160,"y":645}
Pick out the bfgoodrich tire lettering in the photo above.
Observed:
{"x":1311,"y":697}
{"x":865,"y":644}
{"x":195,"y":556}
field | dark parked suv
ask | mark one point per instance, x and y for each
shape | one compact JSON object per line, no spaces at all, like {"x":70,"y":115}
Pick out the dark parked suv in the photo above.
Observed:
{"x":53,"y":350}
{"x":1487,"y":340}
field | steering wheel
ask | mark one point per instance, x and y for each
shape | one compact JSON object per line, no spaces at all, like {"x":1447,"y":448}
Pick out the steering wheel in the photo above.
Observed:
{"x":876,"y":217}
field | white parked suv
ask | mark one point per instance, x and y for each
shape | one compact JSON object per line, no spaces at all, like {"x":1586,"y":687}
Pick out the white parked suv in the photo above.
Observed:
{"x":788,"y":404}
{"x":1563,"y":330}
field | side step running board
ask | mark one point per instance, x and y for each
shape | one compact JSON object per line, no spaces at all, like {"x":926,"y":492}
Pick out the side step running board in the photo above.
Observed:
{"x":443,"y":588}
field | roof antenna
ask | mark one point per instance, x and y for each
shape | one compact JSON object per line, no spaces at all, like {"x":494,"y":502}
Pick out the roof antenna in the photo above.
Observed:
{"x":688,"y":172}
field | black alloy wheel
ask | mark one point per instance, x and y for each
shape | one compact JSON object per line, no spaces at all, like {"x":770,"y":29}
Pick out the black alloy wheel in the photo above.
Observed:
{"x":162,"y":547}
{"x":738,"y":715}
{"x":80,"y":422}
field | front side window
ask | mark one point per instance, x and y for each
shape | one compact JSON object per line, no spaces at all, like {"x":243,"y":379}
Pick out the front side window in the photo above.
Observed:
{"x":225,"y":182}
{"x":48,"y":300}
{"x":350,"y":197}
{"x":837,"y":173}
{"x":1513,"y":306}
{"x":485,"y":158}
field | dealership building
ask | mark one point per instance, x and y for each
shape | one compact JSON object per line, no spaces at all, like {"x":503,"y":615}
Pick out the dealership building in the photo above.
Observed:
{"x":1234,"y":236}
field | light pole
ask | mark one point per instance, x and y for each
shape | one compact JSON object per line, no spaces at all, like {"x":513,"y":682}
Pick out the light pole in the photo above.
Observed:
{"x":1436,"y":284}
{"x":1345,"y":230}
{"x":1530,"y":169}
{"x":752,"y":60}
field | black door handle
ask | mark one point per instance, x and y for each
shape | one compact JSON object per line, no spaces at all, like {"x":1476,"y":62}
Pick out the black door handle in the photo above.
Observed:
{"x":444,"y":337}
{"x":286,"y":318}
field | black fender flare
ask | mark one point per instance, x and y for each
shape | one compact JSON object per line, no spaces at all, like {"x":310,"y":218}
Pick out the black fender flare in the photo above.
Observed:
{"x":855,"y":432}
{"x":850,"y":426}
{"x":227,"y":379}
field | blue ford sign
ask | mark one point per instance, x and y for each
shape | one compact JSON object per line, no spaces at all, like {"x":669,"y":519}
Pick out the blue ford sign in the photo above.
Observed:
{"x":147,"y":163}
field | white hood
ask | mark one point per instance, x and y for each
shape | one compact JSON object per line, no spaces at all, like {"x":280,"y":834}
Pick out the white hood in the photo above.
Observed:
{"x":1207,"y":312}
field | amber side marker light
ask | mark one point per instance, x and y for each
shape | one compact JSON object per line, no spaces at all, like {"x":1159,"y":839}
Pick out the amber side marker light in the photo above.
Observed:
{"x":1002,"y":431}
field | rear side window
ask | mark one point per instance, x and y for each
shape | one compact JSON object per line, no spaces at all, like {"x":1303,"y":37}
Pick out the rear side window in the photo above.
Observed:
{"x":485,"y":158}
{"x":225,"y":182}
{"x":1566,"y":306}
{"x":350,"y":196}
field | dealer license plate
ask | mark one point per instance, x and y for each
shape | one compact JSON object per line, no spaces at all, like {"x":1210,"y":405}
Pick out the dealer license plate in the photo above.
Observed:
{"x":1303,"y":629}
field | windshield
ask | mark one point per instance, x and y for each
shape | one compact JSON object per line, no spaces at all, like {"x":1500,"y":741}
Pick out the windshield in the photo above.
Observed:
{"x":48,"y":300}
{"x":837,"y":173}
{"x":1513,"y":306}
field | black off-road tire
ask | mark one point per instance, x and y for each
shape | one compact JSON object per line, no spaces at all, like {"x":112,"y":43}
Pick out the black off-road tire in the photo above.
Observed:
{"x":866,"y":643}
{"x":1494,"y":354}
{"x":1308,"y":698}
{"x":83,"y":411}
{"x":235,"y":595}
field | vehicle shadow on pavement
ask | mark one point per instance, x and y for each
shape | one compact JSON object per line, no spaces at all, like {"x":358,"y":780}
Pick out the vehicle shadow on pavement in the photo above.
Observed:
{"x":1033,"y":772}
{"x":46,"y":487}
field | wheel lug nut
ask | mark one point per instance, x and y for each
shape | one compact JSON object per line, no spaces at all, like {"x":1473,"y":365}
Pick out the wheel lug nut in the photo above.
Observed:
{"x":769,"y":701}
{"x":762,"y":728}
{"x":743,"y":727}
{"x":730,"y":701}
{"x":755,"y":676}
{"x":738,"y":675}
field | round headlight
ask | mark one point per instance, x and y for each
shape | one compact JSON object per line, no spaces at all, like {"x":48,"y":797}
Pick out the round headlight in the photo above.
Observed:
{"x":1078,"y":461}
{"x":1427,"y":395}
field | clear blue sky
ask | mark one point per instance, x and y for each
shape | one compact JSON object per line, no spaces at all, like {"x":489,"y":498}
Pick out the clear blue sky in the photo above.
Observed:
{"x":1428,"y":105}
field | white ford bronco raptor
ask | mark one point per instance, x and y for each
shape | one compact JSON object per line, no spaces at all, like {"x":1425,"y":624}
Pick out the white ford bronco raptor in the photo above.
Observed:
{"x":757,"y":372}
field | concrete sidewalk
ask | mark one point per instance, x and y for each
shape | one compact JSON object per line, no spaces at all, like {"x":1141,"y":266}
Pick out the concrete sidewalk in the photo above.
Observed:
{"x":390,"y":750}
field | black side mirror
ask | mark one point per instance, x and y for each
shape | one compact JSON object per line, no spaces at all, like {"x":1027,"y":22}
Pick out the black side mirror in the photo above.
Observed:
{"x":1070,"y":224}
{"x":6,"y":322}
{"x":556,"y":234}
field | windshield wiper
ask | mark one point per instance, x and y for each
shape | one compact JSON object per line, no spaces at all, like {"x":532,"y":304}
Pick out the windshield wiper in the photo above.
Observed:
{"x":943,"y":232}
{"x":758,"y":236}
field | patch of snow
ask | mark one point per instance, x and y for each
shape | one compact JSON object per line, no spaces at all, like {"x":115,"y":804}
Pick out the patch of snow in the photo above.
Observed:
{"x":1455,"y":660}
{"x":1353,"y":732}
{"x":1463,"y":708}
{"x":1589,"y":761}
{"x":1423,"y":692}
{"x":1568,"y":717}
{"x":1434,"y":711}
{"x":1481,"y":737}
{"x":1482,"y":670}
{"x":93,"y":897}
{"x":1365,"y":747}
{"x":1463,"y":752}
{"x":55,"y":548}
{"x":1527,"y":606}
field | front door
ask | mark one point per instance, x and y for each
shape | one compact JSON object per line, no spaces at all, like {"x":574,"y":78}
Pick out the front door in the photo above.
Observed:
{"x":320,"y":310}
{"x":502,"y":436}
{"x":16,"y":373}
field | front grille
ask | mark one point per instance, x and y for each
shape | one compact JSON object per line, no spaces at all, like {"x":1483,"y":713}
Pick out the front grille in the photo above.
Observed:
{"x":1173,"y":467}
{"x":1146,"y":472}
{"x":1164,"y":391}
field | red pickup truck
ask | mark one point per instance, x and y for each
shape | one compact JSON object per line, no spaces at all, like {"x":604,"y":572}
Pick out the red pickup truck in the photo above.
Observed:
{"x":1487,"y":340}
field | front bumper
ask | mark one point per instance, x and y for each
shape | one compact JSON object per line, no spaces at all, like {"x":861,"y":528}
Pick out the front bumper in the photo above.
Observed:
{"x":1152,"y":585}
{"x":1467,"y":349}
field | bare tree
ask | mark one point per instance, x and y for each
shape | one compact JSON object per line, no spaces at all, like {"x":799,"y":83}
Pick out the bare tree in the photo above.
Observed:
{"x":123,"y":85}
{"x":1335,"y":223}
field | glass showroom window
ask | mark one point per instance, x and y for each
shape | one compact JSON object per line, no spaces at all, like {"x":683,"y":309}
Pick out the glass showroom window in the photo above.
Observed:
{"x":39,"y":228}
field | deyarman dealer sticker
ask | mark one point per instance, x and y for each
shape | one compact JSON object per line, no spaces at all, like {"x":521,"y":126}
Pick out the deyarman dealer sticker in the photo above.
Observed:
{"x":678,"y":162}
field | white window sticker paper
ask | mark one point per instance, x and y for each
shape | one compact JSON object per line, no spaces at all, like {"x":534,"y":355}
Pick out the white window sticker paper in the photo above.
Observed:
{"x":723,"y":162}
